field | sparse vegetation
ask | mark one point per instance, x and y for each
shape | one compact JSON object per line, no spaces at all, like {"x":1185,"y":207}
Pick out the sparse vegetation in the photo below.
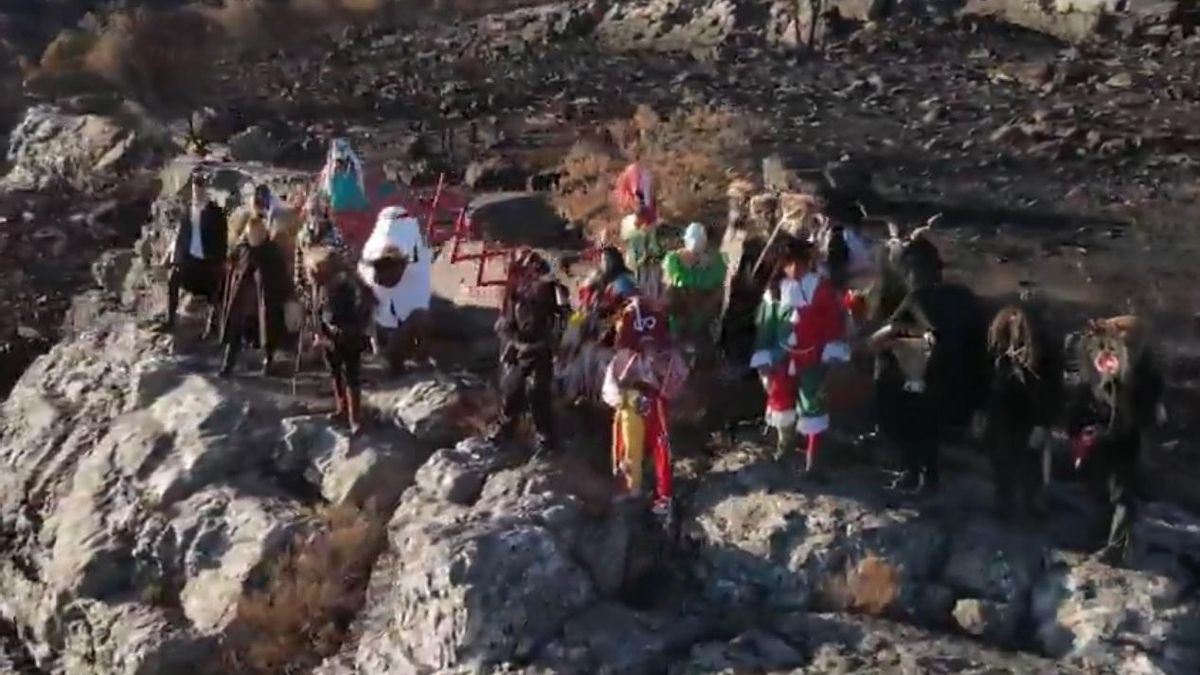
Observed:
{"x":311,"y":595}
{"x":868,"y":587}
{"x":692,"y":155}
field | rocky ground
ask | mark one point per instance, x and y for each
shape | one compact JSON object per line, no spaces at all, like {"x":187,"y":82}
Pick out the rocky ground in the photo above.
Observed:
{"x":137,"y":539}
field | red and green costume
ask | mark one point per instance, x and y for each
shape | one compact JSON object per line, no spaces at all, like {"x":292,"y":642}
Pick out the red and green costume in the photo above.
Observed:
{"x":801,"y":327}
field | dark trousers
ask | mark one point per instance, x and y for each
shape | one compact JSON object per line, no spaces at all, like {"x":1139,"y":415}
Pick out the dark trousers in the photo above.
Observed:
{"x":1117,"y":471}
{"x":1016,"y":468}
{"x":910,"y":421}
{"x":345,"y":364}
{"x":198,"y":277}
{"x":526,"y":383}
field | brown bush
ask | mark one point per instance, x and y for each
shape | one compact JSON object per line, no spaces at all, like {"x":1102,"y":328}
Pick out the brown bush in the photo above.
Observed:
{"x":692,"y":155}
{"x":160,"y":55}
{"x":869,"y":587}
{"x":66,"y":52}
{"x":310,"y":598}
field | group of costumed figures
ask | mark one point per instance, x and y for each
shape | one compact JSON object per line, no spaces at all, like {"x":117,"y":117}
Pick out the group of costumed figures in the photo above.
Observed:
{"x":647,"y":320}
{"x":269,"y":269}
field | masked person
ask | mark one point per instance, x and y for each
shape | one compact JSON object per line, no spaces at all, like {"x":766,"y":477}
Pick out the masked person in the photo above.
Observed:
{"x":342,"y":184}
{"x":587,"y":341}
{"x":694,"y":277}
{"x":801,"y":328}
{"x":1118,"y":396}
{"x":534,"y":306}
{"x":318,"y":230}
{"x":639,"y":228}
{"x":257,"y":285}
{"x":645,"y":374}
{"x":397,"y":265}
{"x":342,"y":180}
{"x":342,"y":305}
{"x":198,"y":256}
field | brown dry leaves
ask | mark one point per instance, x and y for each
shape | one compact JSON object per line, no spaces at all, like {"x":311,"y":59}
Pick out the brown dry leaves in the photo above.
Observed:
{"x":691,"y":154}
{"x":868,"y":587}
{"x":311,"y":596}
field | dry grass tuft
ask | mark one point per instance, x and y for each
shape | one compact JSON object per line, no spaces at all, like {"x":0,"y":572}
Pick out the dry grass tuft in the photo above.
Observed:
{"x":692,"y":155}
{"x":311,"y":596}
{"x":869,"y":587}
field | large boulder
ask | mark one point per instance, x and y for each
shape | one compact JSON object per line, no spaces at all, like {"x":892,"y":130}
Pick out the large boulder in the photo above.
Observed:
{"x":764,"y":542}
{"x":344,"y":470}
{"x":1080,"y":20}
{"x":54,"y":148}
{"x":439,"y":409}
{"x":472,"y":581}
{"x":140,"y":502}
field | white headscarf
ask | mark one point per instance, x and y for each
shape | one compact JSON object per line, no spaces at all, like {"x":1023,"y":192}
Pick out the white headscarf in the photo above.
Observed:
{"x":339,"y":148}
{"x":396,"y":227}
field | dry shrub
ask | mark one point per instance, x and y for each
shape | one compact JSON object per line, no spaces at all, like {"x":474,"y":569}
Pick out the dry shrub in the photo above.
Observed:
{"x":66,"y":52}
{"x":869,"y":587}
{"x":157,"y":55}
{"x":311,"y":596}
{"x":588,"y":175}
{"x":692,"y":154}
{"x":268,"y":23}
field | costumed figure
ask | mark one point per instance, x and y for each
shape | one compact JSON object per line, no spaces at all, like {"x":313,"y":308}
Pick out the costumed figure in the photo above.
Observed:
{"x":645,"y":374}
{"x":634,"y":196}
{"x":342,"y":306}
{"x":343,"y":184}
{"x":198,"y":257}
{"x":528,"y":328}
{"x":801,"y":328}
{"x":397,"y":265}
{"x":694,"y":277}
{"x":318,"y":230}
{"x":256,"y":286}
{"x":1118,"y":396}
{"x":587,"y":340}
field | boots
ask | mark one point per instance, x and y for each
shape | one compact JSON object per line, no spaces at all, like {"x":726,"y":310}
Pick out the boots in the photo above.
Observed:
{"x":339,"y":401}
{"x":354,"y":410}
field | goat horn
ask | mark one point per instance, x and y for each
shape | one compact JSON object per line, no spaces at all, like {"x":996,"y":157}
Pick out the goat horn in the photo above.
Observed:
{"x":919,"y":232}
{"x":893,"y":230}
{"x":934,"y":219}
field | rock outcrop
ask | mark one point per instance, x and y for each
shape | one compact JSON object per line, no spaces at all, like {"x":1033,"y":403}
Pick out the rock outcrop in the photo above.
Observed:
{"x":487,"y":562}
{"x":707,"y":29}
{"x":142,"y":501}
{"x":52,"y":147}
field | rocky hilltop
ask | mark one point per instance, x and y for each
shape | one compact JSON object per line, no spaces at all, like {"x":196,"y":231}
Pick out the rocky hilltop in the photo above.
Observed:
{"x":156,"y":519}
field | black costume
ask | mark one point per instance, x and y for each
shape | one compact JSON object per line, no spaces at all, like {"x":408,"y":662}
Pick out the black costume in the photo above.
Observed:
{"x":528,"y":330}
{"x":955,"y":376}
{"x":343,"y":309}
{"x":1115,"y":411}
{"x":1022,"y":397}
{"x":198,"y":276}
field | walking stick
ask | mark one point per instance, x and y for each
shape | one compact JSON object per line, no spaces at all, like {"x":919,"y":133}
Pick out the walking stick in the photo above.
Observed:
{"x":771,"y":240}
